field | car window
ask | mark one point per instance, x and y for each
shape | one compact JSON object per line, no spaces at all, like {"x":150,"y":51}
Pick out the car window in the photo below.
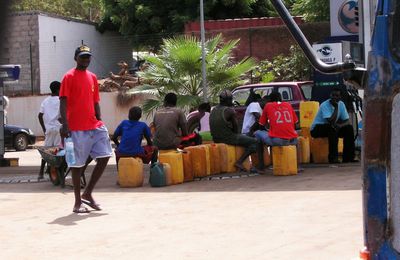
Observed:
{"x":307,"y":88}
{"x":286,"y":93}
{"x":263,"y":91}
{"x":240,"y":96}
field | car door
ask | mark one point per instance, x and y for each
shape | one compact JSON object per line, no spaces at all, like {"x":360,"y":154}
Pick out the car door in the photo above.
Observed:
{"x":8,"y":138}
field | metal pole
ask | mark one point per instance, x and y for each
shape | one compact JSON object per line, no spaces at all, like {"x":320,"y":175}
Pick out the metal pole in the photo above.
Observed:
{"x":203,"y":52}
{"x":31,"y":64}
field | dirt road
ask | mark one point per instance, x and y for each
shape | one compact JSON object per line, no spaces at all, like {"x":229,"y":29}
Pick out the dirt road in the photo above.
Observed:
{"x":315,"y":215}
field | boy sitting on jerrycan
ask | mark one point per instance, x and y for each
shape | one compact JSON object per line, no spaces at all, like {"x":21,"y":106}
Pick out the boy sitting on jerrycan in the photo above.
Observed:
{"x":132,"y":132}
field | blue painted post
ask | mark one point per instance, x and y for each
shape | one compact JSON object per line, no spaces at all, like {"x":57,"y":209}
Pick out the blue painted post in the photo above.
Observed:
{"x":382,"y":86}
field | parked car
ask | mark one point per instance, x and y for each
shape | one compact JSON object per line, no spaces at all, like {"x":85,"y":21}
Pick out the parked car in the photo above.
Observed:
{"x":18,"y":138}
{"x":292,"y":92}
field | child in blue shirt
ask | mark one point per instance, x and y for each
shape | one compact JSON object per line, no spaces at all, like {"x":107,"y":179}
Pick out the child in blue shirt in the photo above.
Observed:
{"x":132,"y":132}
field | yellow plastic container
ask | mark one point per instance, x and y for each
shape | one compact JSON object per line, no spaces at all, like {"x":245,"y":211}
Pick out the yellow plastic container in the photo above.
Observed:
{"x":215,"y":159}
{"x":267,"y":158}
{"x":200,"y":160}
{"x":284,"y":160}
{"x":175,"y":160}
{"x":168,"y":174}
{"x":319,"y":150}
{"x":340,"y":146}
{"x":308,"y":111}
{"x":167,"y":151}
{"x":130,"y":172}
{"x":239,"y":150}
{"x":227,"y":157}
{"x":208,"y":156}
{"x":187,"y":166}
{"x":304,"y":149}
{"x":305,"y":132}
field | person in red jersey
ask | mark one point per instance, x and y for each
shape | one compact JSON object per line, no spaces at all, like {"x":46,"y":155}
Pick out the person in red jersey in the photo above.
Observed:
{"x":280,"y":119}
{"x":81,"y":120}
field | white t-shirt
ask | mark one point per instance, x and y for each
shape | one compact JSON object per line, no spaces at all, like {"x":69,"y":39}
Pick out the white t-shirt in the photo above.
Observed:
{"x":249,"y":118}
{"x":205,"y":123}
{"x":50,"y":108}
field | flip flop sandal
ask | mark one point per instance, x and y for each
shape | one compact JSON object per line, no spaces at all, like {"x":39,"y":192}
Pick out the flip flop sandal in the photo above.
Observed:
{"x":80,"y":210}
{"x":94,"y":206}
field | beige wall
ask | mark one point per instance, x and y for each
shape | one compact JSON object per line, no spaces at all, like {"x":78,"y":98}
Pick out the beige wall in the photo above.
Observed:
{"x":23,"y":111}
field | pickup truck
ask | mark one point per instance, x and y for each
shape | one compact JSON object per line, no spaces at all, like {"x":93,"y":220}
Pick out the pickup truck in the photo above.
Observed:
{"x":292,"y":92}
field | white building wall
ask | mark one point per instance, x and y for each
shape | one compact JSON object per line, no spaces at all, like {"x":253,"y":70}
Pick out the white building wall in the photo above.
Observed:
{"x":58,"y":39}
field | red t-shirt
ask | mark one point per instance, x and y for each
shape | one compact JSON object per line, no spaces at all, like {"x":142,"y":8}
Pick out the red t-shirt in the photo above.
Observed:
{"x":282,"y":118}
{"x":81,"y":89}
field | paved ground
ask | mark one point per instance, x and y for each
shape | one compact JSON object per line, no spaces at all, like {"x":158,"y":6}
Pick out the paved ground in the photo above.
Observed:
{"x":315,"y":215}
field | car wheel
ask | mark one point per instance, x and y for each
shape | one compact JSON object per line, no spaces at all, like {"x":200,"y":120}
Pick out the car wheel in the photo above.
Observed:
{"x":20,"y":142}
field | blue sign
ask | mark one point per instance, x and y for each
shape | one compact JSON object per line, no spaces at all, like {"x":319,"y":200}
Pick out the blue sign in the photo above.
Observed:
{"x":10,"y":72}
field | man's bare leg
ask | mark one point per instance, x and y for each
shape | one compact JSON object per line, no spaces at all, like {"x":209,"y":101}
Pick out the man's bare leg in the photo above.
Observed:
{"x":76,"y":181}
{"x":97,"y":172}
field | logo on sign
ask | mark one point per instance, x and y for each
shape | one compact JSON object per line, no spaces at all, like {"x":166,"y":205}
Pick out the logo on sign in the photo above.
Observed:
{"x":347,"y":16}
{"x":326,"y":51}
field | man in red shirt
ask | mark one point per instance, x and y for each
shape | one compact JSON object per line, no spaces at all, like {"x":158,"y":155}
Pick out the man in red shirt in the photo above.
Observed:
{"x":81,"y":120}
{"x":281,"y":119}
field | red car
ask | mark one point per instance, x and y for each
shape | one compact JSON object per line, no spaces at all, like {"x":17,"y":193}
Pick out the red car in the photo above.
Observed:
{"x":292,"y":92}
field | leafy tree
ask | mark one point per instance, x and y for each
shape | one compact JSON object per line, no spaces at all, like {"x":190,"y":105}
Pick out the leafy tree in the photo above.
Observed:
{"x":84,"y":9}
{"x":294,"y":67}
{"x":312,"y":10}
{"x":147,"y":22}
{"x":177,"y":69}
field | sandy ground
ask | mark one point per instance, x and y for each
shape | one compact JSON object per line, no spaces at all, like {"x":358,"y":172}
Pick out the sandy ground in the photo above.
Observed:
{"x":315,"y":215}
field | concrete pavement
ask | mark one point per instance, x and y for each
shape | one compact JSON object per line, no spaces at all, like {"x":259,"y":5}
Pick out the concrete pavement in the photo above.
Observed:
{"x":315,"y":215}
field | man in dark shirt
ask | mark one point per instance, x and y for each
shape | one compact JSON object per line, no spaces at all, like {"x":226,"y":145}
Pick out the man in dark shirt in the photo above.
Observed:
{"x":170,"y":124}
{"x":224,"y":128}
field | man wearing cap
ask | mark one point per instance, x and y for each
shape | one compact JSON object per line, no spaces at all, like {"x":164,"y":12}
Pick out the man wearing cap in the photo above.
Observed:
{"x":81,"y":120}
{"x":224,"y":129}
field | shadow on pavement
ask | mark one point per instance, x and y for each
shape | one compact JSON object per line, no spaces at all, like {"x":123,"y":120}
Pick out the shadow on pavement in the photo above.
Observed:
{"x":73,"y":218}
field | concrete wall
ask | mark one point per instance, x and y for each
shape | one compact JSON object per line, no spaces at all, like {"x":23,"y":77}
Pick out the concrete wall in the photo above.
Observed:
{"x":23,"y":111}
{"x":21,"y":40}
{"x":48,"y":42}
{"x":58,"y":39}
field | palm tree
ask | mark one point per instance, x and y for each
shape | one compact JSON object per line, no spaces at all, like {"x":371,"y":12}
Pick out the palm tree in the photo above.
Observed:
{"x":177,"y":69}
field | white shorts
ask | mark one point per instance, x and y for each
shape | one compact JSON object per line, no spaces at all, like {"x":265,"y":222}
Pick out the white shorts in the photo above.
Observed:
{"x":52,"y":137}
{"x":94,"y":143}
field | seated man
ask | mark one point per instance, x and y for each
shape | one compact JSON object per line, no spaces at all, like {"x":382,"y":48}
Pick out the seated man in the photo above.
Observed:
{"x":332,"y":121}
{"x":281,"y":119}
{"x":171,"y":126}
{"x":224,"y":128}
{"x":132,"y":132}
{"x":200,"y":118}
{"x":252,"y":115}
